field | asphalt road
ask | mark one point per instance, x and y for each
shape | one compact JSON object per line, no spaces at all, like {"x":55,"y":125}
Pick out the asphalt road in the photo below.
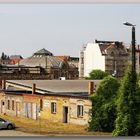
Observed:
{"x":15,"y":133}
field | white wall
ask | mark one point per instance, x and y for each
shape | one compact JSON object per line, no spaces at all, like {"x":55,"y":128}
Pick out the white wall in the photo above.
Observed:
{"x":93,"y":58}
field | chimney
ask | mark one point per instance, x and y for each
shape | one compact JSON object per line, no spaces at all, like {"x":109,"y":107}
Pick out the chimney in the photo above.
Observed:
{"x":3,"y":84}
{"x":90,"y":88}
{"x":33,"y":88}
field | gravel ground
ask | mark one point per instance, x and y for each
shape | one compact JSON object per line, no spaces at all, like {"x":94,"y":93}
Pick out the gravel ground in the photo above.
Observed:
{"x":15,"y":133}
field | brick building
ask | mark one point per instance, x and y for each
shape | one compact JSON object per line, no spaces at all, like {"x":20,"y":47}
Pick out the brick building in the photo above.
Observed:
{"x":52,"y":100}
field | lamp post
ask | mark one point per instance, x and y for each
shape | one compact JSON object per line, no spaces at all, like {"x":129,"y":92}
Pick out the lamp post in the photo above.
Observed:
{"x":133,"y":45}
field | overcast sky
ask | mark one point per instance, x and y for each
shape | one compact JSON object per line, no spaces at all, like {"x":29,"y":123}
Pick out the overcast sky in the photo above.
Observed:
{"x":63,"y":28}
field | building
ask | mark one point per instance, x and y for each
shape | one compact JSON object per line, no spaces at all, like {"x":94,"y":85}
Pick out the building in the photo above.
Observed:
{"x":4,"y":62}
{"x":73,"y":64}
{"x":15,"y":59}
{"x":54,"y":67}
{"x":110,"y":56}
{"x":71,"y":60}
{"x":52,"y":100}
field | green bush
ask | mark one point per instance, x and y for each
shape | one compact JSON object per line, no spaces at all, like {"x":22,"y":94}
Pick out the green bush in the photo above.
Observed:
{"x":97,"y":74}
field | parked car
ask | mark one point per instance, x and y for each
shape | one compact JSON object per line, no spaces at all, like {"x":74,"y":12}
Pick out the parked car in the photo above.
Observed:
{"x":6,"y":124}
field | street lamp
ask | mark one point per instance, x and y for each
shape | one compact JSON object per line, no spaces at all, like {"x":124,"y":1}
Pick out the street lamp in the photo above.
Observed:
{"x":133,"y":45}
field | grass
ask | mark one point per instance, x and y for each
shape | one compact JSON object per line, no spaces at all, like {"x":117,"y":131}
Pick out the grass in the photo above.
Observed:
{"x":50,"y":128}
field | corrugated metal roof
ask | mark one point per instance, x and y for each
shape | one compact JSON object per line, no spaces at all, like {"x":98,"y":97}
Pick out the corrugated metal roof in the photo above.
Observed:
{"x":50,"y":61}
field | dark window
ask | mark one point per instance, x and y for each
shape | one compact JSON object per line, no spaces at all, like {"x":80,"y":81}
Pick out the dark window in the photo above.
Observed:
{"x":2,"y":103}
{"x":13,"y":105}
{"x":41,"y":104}
{"x":80,"y":111}
{"x":8,"y":104}
{"x":82,"y":60}
{"x":53,"y":107}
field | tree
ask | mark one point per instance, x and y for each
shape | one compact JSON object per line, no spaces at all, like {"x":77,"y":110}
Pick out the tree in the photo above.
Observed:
{"x":103,"y":112}
{"x":128,"y":106}
{"x":97,"y":74}
{"x":4,"y":56}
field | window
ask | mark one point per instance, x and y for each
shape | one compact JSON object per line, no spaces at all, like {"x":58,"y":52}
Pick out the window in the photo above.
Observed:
{"x":8,"y":104}
{"x":53,"y":107}
{"x":80,"y":111}
{"x":13,"y":105}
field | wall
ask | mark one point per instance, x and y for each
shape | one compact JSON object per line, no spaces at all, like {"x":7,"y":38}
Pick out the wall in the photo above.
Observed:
{"x":93,"y":58}
{"x":60,"y":102}
{"x":16,"y":110}
{"x":31,"y":106}
{"x":28,"y":105}
{"x":71,"y":103}
{"x":87,"y":105}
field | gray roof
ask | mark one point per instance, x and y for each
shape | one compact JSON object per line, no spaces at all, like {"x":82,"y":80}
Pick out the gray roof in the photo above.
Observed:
{"x":43,"y":52}
{"x":43,"y":61}
{"x":56,"y":86}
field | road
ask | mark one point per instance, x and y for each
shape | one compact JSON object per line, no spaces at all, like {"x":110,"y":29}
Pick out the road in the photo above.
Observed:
{"x":15,"y":133}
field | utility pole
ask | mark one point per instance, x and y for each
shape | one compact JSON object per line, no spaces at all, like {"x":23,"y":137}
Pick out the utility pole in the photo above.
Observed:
{"x":133,"y":46}
{"x":133,"y":49}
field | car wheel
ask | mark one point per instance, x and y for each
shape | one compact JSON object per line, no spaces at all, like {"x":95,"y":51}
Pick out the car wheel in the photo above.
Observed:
{"x":9,"y":127}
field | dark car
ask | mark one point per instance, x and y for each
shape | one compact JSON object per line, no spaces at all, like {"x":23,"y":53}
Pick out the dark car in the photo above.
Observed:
{"x":6,"y":124}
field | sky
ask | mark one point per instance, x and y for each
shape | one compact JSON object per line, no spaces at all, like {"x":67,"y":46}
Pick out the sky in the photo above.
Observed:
{"x":64,"y":28}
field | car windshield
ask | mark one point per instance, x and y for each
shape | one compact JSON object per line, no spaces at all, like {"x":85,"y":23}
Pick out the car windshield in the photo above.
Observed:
{"x":2,"y":120}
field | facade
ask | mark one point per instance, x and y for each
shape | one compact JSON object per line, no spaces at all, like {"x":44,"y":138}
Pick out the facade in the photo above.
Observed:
{"x":111,"y":57}
{"x":33,"y":99}
{"x":54,"y":67}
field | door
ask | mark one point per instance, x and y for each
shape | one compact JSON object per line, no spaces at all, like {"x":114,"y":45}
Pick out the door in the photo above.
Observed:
{"x":65,"y":114}
{"x":29,"y":110}
{"x":2,"y":107}
{"x":17,"y":109}
{"x":25,"y":109}
{"x":34,"y":111}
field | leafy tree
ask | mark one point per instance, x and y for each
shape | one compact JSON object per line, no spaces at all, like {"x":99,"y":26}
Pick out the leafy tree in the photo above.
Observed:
{"x":97,"y":74}
{"x":4,"y":56}
{"x":103,"y":112}
{"x":128,"y":106}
